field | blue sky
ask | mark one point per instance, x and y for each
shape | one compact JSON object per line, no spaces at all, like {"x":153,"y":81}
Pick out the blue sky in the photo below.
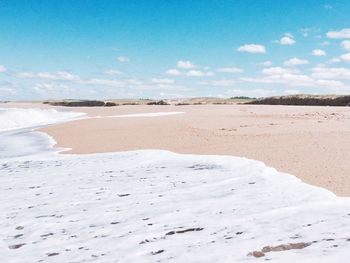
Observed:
{"x":166,"y":49}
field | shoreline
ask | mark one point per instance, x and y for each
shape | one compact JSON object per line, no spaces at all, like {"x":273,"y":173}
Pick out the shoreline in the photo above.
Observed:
{"x":308,"y":142}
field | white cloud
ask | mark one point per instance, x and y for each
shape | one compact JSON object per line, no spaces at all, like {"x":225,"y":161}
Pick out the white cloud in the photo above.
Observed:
{"x":190,"y":73}
{"x":345,"y":57}
{"x":278,"y":71}
{"x":267,"y":63}
{"x":163,"y":81}
{"x":344,"y":33}
{"x":230,"y":70}
{"x":292,"y":91}
{"x":199,"y":73}
{"x":173,"y":72}
{"x":25,"y":75}
{"x":134,"y":84}
{"x":45,"y":88}
{"x":334,"y":60}
{"x":221,"y":83}
{"x":329,"y":83}
{"x":124,"y":86}
{"x":318,"y":52}
{"x":330,"y":73}
{"x":292,"y":78}
{"x":185,"y":64}
{"x":113,"y":72}
{"x":123,"y":59}
{"x":295,"y":62}
{"x":296,"y":80}
{"x":287,"y":39}
{"x":252,"y":48}
{"x":60,"y":75}
{"x":111,"y":82}
{"x":64,"y":76}
{"x":8,"y":88}
{"x":346,"y":44}
{"x":2,"y":68}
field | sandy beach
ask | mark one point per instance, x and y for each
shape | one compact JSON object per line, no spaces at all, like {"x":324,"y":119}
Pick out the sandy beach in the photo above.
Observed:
{"x":309,"y":142}
{"x":137,"y":198}
{"x":175,"y":131}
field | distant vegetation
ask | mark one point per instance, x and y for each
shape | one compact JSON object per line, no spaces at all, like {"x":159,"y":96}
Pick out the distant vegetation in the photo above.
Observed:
{"x":158,"y":102}
{"x":143,"y":101}
{"x":242,"y":98}
{"x":305,"y":100}
{"x":81,"y":103}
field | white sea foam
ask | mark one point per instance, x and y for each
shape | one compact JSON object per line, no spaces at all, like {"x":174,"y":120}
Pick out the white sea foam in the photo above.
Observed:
{"x":14,"y":118}
{"x":16,"y":136}
{"x":158,"y":206}
{"x":25,"y":142}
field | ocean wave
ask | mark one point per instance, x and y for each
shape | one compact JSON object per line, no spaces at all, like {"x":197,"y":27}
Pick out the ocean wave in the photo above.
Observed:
{"x":16,"y":118}
{"x":158,"y":206}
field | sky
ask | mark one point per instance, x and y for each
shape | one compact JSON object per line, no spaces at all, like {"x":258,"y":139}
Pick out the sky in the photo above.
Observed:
{"x":172,"y":49}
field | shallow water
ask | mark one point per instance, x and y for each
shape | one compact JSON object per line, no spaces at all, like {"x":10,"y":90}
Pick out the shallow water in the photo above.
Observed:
{"x":15,"y":118}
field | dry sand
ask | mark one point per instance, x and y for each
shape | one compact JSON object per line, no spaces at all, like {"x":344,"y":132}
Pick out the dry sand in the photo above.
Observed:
{"x":311,"y":143}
